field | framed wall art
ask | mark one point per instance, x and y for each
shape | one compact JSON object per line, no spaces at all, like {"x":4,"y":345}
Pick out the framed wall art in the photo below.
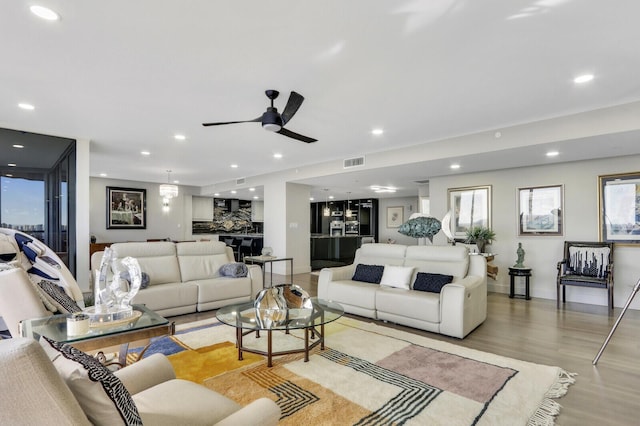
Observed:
{"x":470,"y":207}
{"x":395,"y":217}
{"x":126,"y":208}
{"x":619,"y":208}
{"x":540,"y":210}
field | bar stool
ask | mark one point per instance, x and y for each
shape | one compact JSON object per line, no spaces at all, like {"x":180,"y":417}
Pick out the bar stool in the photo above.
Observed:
{"x":246,"y":248}
{"x":231,"y":242}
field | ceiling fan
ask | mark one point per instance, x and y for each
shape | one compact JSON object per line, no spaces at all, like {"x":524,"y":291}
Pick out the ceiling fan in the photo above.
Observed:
{"x":272,"y":120}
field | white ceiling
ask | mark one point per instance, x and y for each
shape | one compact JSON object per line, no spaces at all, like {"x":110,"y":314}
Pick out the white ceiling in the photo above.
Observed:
{"x":129,"y":75}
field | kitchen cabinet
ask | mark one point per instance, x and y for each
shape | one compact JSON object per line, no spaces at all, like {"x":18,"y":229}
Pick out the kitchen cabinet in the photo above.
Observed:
{"x":202,"y":208}
{"x":257,"y":211}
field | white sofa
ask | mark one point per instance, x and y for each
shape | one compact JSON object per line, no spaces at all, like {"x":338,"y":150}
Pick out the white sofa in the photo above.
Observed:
{"x":185,"y":278}
{"x":457,"y":310}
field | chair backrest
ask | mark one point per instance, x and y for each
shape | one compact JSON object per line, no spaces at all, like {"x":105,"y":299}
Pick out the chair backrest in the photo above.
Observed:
{"x":33,"y":391}
{"x":588,"y":258}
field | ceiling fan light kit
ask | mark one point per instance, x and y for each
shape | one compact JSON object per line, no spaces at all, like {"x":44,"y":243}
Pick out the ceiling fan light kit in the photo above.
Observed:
{"x":272,"y":120}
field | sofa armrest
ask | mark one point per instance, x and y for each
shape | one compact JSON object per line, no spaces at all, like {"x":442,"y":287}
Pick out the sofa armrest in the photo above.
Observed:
{"x":255,"y":275}
{"x":146,"y":373}
{"x":463,"y":305}
{"x":263,"y":412}
{"x":333,"y":274}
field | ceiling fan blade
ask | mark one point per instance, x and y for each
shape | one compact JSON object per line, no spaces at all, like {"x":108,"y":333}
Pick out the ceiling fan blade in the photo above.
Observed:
{"x":294,"y":102}
{"x":294,"y":135}
{"x":255,"y":120}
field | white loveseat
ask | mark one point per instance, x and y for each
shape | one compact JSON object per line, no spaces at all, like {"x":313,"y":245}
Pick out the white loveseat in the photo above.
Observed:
{"x":185,"y":277}
{"x":457,"y":310}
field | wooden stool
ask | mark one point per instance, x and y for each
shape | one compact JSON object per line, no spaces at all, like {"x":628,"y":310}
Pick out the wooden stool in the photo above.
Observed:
{"x":519,"y":272}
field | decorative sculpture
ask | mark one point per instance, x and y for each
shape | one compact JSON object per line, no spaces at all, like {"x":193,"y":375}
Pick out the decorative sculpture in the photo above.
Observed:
{"x":520,"y":260}
{"x":421,"y":227}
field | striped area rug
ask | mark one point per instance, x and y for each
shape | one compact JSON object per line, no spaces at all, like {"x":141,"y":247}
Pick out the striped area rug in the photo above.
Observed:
{"x":374,"y":375}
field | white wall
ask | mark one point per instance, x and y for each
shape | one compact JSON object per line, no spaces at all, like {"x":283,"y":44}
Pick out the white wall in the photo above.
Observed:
{"x":580,"y":180}
{"x":409,"y":205}
{"x":175,"y":224}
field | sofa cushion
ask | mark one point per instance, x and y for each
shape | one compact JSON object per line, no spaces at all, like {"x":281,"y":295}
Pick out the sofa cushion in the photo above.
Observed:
{"x":222,"y":288}
{"x":354,"y":293}
{"x":167,"y":296}
{"x":368,"y":273}
{"x":380,"y":254}
{"x":201,"y":260}
{"x":397,"y":276}
{"x":433,"y":259}
{"x":102,"y":396}
{"x":417,"y":305}
{"x":431,"y":282}
{"x":158,"y":259}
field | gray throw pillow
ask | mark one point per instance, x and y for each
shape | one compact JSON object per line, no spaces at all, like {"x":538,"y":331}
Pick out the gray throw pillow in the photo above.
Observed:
{"x":234,"y":270}
{"x":144,"y":279}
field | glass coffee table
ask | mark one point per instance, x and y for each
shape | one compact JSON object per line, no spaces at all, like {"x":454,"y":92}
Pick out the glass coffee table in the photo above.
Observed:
{"x":247,"y":319}
{"x":145,"y":325}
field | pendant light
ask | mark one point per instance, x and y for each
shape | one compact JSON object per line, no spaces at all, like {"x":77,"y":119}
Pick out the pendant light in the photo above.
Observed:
{"x":348,"y":213}
{"x":168,"y":190}
{"x":326,"y":211}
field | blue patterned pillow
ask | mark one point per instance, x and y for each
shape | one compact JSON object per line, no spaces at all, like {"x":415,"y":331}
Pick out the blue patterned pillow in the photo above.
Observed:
{"x":432,"y":283}
{"x":102,"y":396}
{"x":368,"y":273}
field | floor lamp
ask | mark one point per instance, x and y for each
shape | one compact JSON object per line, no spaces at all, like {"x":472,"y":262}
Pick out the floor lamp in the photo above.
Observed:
{"x":626,"y":305}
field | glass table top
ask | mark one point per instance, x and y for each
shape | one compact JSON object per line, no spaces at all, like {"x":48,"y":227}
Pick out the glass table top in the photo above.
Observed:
{"x":55,"y":326}
{"x":246,"y":316}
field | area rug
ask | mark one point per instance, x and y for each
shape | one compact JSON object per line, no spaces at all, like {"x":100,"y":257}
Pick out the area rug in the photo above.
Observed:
{"x":370,"y":375}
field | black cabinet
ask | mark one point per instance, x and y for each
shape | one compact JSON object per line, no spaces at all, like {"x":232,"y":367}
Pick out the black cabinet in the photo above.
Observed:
{"x":365,"y":211}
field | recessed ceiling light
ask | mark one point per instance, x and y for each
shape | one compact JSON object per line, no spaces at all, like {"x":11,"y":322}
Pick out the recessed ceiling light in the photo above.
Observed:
{"x":145,"y":153}
{"x":277,"y":155}
{"x":234,"y":166}
{"x":44,"y":13}
{"x":553,"y":154}
{"x":255,"y":197}
{"x":252,"y":189}
{"x":454,"y":166}
{"x":377,"y":132}
{"x":28,"y":107}
{"x":11,"y":164}
{"x":9,"y":175}
{"x":311,"y":198}
{"x":103,"y":175}
{"x":176,"y":181}
{"x":179,"y":137}
{"x":331,"y":197}
{"x":17,"y":145}
{"x":382,"y":189}
{"x":217,"y":194}
{"x":234,"y":191}
{"x":585,"y":78}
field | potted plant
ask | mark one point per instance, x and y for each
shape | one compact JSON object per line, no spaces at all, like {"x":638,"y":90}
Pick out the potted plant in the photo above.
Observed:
{"x":480,"y":236}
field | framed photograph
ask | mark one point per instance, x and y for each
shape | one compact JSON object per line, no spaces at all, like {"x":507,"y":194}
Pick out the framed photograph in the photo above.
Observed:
{"x":126,"y":208}
{"x":619,"y":208}
{"x":540,"y":210}
{"x":395,"y":217}
{"x":470,"y":207}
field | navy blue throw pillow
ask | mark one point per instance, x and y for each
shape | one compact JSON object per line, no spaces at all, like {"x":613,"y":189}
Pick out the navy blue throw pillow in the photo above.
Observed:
{"x":368,"y":273}
{"x":431,"y":282}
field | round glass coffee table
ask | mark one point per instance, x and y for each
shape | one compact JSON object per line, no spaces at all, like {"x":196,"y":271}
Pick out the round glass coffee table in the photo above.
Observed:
{"x":247,"y":319}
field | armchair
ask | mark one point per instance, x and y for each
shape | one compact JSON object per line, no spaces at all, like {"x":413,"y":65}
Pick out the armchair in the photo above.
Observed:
{"x":586,"y":264}
{"x":35,"y":391}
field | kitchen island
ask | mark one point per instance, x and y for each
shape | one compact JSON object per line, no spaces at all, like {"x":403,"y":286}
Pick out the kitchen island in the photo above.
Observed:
{"x":329,"y":251}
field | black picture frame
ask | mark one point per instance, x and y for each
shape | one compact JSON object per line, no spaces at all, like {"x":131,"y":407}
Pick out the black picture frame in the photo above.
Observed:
{"x":619,"y":208}
{"x":126,"y":208}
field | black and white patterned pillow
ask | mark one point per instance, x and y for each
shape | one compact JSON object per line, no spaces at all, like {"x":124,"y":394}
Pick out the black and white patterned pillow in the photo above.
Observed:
{"x":102,"y":396}
{"x":368,"y":273}
{"x":57,"y":297}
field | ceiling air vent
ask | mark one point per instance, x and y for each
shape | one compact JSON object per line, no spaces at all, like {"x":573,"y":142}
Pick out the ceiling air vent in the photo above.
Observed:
{"x":353,"y":162}
{"x":240,"y":181}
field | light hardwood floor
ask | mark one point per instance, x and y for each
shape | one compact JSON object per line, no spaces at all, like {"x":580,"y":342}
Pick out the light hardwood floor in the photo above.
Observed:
{"x":535,"y":331}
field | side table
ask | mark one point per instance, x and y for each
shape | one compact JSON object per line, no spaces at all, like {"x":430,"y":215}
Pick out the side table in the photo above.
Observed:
{"x":519,"y":272}
{"x":264,"y":260}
